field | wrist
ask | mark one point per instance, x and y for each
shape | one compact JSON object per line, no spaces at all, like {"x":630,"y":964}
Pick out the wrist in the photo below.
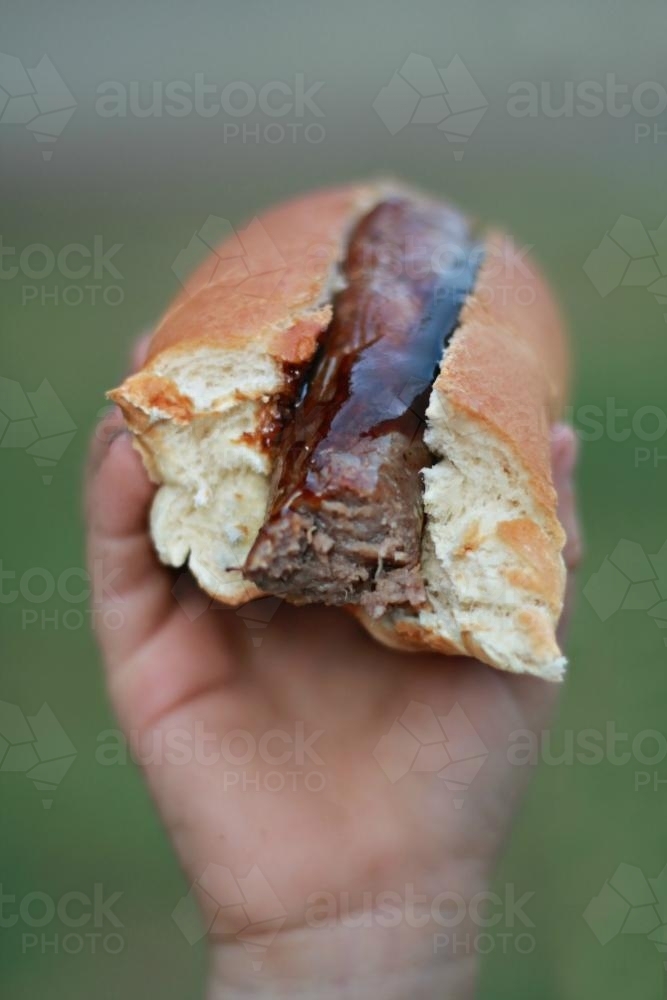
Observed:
{"x":416,"y":951}
{"x":344,"y":966}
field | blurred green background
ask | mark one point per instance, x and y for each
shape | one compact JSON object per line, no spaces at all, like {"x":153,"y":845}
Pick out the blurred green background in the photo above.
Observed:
{"x":148,"y":183}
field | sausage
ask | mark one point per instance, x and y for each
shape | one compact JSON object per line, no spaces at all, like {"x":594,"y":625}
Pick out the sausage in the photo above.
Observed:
{"x":345,"y":514}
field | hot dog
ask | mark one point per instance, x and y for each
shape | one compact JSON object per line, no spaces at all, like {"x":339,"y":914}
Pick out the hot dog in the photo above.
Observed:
{"x":371,"y":432}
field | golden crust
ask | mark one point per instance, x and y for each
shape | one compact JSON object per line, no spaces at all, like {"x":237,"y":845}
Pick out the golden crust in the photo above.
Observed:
{"x":506,"y":367}
{"x":276,"y":292}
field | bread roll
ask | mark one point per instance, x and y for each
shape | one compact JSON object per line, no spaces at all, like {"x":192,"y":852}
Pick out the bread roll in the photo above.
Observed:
{"x":222,"y":381}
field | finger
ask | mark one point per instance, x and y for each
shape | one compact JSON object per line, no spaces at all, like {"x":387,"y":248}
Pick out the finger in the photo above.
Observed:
{"x":131,"y":590}
{"x":113,"y":423}
{"x":111,"y":426}
{"x":118,"y":495}
{"x":139,"y":351}
{"x":564,"y":450}
{"x":161,"y":651}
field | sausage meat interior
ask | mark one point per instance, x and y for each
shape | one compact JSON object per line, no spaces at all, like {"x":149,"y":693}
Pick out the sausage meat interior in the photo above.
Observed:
{"x":345,"y":514}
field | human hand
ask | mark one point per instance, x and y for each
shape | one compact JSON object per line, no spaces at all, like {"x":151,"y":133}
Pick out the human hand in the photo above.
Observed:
{"x":243,"y":796}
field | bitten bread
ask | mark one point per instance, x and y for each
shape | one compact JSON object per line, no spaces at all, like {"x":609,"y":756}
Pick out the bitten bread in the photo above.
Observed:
{"x":350,"y":402}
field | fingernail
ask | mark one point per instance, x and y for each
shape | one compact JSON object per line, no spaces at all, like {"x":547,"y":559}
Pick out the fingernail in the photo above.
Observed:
{"x":565,"y":444}
{"x":140,"y":350}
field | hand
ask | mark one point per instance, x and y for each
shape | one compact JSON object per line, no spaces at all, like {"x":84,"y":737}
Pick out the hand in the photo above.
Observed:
{"x":240,"y":792}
